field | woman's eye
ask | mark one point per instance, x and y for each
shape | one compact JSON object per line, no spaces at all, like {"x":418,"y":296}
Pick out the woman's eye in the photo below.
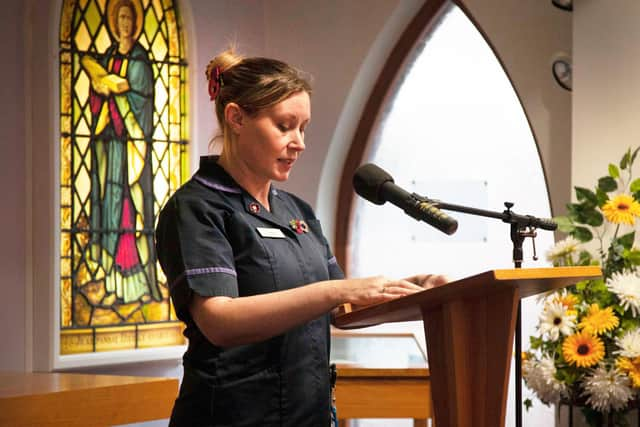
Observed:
{"x":283,"y":128}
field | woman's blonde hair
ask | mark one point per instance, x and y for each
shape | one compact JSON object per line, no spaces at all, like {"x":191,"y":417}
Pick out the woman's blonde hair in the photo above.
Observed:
{"x":253,"y":83}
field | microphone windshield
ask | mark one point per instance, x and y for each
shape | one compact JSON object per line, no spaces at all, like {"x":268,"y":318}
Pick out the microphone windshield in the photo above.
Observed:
{"x":368,"y":180}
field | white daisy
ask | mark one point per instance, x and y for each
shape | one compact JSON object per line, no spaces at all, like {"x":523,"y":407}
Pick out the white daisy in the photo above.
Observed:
{"x":555,"y":319}
{"x":629,"y":344}
{"x":540,"y":377}
{"x":627,"y":287}
{"x":560,"y":252}
{"x":607,"y":389}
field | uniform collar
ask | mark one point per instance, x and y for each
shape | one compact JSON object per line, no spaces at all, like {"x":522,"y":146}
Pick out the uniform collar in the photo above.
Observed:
{"x":212,"y":175}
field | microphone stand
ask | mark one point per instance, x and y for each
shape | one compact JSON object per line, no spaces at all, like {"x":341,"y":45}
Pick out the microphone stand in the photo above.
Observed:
{"x":522,"y":226}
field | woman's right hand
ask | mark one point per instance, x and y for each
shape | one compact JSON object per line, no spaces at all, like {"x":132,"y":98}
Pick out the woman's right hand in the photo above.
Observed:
{"x":374,"y":290}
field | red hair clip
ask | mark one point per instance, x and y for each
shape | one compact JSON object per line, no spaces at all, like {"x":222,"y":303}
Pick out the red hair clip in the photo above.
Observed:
{"x":215,"y":83}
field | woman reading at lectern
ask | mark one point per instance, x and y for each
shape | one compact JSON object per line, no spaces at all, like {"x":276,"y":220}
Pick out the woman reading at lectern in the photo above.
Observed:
{"x":249,"y":269}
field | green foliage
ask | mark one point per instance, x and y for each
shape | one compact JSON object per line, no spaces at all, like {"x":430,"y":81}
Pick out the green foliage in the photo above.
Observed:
{"x":598,"y":241}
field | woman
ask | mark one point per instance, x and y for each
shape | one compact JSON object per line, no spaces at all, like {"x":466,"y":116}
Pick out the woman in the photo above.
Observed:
{"x":121,"y":102}
{"x":250,"y":271}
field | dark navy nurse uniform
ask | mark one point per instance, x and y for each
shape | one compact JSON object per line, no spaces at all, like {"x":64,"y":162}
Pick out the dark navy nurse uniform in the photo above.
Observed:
{"x":215,"y":239}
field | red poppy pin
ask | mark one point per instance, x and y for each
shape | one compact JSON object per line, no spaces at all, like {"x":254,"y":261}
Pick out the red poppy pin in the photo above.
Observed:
{"x":254,"y":207}
{"x":299,"y":226}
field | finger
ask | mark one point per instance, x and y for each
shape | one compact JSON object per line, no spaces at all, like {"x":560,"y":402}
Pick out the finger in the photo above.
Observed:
{"x":436,"y":280}
{"x":408,"y":285}
{"x":402,"y":288}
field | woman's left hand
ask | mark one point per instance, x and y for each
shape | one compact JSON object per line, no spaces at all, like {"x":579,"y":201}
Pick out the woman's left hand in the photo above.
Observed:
{"x":428,"y":281}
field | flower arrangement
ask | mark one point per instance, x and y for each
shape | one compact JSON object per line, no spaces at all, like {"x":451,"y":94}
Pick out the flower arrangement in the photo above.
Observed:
{"x":587,"y":348}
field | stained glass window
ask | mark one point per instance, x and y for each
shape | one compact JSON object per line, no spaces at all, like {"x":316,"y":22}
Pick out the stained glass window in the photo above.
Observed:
{"x":123,"y":151}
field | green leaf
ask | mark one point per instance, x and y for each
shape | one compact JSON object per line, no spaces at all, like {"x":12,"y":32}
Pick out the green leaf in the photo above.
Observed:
{"x":527,"y":404}
{"x":632,"y":256}
{"x":584,"y":258}
{"x":593,"y":218}
{"x":586,"y":195}
{"x":601,"y":196}
{"x":583,"y":234}
{"x":564,"y":224}
{"x":635,"y":186}
{"x":633,"y":156}
{"x":627,"y":240}
{"x":614,"y":172}
{"x":624,"y":162}
{"x":607,"y":184}
{"x":581,"y":286}
{"x":535,"y":342}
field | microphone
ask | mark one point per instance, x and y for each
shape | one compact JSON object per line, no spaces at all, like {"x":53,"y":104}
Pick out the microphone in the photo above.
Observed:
{"x":377,"y":186}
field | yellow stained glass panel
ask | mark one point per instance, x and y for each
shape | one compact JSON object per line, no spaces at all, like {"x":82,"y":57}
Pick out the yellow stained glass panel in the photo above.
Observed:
{"x":151,"y":25}
{"x":65,"y":196}
{"x":65,"y":124}
{"x":82,"y":37}
{"x":65,"y":300}
{"x":65,"y":218}
{"x":65,"y":267}
{"x":174,"y":101}
{"x":65,"y":20}
{"x":159,"y":48}
{"x":65,"y":85}
{"x":174,"y":49}
{"x":83,"y":184}
{"x":103,"y":41}
{"x":157,"y":6}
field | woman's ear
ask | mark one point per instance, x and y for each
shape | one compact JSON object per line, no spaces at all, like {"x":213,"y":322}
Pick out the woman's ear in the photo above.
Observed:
{"x":234,"y":116}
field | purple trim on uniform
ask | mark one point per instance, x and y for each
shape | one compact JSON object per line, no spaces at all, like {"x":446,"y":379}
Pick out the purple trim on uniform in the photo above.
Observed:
{"x":332,"y":260}
{"x":204,"y":270}
{"x":217,"y":186}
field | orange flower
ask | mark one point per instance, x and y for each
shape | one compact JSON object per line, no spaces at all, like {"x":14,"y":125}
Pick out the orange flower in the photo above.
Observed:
{"x":583,"y":349}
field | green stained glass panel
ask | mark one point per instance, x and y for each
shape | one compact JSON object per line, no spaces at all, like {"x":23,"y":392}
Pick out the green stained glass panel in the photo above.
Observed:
{"x":93,"y":18}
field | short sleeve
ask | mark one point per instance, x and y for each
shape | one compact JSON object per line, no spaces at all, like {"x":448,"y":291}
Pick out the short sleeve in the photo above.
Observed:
{"x":194,"y":252}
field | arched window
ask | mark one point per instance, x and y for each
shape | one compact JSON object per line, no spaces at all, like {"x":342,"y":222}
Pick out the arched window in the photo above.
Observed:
{"x":123,"y":151}
{"x":450,"y":126}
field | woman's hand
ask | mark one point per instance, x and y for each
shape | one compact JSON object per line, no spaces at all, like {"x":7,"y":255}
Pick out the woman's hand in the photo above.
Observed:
{"x":373,"y":290}
{"x":428,"y":281}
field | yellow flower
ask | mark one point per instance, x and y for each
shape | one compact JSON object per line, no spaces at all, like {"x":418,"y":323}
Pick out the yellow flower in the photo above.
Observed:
{"x":621,"y":209}
{"x":631,"y":367}
{"x":583,"y":349}
{"x":598,"y":321}
{"x":566,"y":299}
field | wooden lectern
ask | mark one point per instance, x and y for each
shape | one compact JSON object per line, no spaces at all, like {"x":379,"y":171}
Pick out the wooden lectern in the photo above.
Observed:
{"x":469,"y":326}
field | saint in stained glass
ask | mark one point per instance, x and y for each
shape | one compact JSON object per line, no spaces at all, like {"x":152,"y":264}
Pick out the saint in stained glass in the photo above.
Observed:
{"x":123,"y":151}
{"x":121,"y":102}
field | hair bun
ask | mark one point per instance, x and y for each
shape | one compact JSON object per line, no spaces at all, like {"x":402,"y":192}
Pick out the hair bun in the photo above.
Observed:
{"x":224,"y":61}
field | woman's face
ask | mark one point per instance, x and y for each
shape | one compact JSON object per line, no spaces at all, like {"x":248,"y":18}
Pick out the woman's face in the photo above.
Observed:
{"x":269,"y":143}
{"x":125,"y":22}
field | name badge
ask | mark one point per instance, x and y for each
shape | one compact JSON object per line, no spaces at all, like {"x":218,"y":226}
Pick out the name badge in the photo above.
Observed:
{"x":271,"y":233}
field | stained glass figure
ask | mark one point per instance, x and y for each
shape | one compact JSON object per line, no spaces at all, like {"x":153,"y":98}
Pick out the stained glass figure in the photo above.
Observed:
{"x":123,"y":152}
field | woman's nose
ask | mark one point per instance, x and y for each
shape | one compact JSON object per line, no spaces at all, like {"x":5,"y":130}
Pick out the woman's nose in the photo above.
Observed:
{"x":298,"y":141}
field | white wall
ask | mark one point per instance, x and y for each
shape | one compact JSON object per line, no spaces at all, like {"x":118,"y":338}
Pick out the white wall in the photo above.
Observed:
{"x":606,"y":82}
{"x":12,"y":181}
